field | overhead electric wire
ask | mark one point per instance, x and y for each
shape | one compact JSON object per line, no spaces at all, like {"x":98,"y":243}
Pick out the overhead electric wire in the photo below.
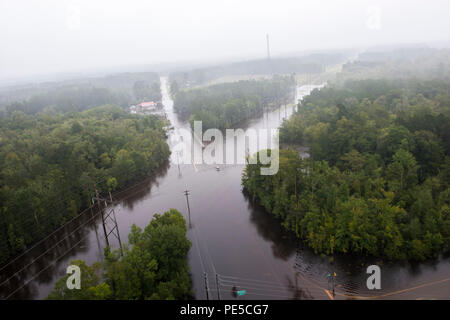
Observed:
{"x":115,"y":202}
{"x":66,"y":223}
{"x":53,"y":206}
{"x":253,"y":288}
{"x":210,"y":259}
{"x":199,"y":254}
{"x":249,"y":279}
{"x":265,"y":295}
{"x":48,"y":250}
{"x":256,"y":284}
{"x":44,"y":239}
{"x":42,"y":270}
{"x":271,"y":295}
{"x":265,"y":286}
{"x":48,"y":219}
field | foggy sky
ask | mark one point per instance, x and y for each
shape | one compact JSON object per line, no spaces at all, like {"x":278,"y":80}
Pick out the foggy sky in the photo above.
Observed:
{"x":47,"y":36}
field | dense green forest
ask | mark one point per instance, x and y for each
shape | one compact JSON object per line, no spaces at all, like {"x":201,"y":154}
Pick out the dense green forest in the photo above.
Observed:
{"x":378,"y":180}
{"x":67,"y":99}
{"x":312,"y":63}
{"x":78,"y":95}
{"x":421,"y":63}
{"x":224,"y":105}
{"x":50,"y":162}
{"x":144,"y":90}
{"x":154,"y":266}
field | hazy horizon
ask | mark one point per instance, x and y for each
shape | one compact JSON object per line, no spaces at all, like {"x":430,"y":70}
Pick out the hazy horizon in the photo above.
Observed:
{"x":49,"y":37}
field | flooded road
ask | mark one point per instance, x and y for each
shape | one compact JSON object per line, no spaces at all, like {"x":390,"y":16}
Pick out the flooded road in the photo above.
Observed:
{"x":236,"y":245}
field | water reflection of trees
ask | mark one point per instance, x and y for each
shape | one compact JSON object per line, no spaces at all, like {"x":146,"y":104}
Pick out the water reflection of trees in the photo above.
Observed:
{"x":298,"y":291}
{"x":42,"y":264}
{"x":283,"y":243}
{"x":133,"y":195}
{"x":351,"y":268}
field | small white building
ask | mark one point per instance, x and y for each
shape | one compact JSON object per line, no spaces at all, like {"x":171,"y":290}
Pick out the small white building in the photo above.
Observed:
{"x":144,"y":108}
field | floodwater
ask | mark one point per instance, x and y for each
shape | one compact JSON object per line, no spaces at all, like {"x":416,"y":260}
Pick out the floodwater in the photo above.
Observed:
{"x":236,"y":245}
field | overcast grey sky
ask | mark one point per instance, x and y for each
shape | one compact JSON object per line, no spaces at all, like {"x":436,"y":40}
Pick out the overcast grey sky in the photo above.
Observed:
{"x":47,"y":36}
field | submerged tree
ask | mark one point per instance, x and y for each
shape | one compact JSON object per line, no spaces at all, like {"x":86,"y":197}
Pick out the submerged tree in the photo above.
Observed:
{"x":153,"y":266}
{"x":377,"y":179}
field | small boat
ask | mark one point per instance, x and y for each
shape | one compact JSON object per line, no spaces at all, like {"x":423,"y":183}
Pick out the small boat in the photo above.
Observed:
{"x":217,"y":168}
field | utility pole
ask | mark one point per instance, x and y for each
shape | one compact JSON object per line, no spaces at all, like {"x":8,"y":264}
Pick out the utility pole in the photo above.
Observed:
{"x":95,"y":226}
{"x":205,"y":276}
{"x":186,"y":193}
{"x":92,"y":211}
{"x":111,"y":215}
{"x":217,"y":285}
{"x":116,"y":226}
{"x":103,"y":215}
{"x":332,"y":277}
{"x":333,"y":283}
{"x":178,"y":162}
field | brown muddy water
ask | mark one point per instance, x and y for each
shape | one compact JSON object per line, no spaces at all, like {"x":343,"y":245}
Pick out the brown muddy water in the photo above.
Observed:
{"x":231,"y":237}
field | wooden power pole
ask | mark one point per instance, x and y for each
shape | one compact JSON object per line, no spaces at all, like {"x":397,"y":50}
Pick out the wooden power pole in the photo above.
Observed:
{"x":186,"y":193}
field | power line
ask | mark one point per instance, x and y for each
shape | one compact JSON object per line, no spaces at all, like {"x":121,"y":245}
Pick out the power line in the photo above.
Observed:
{"x":208,"y":255}
{"x":59,"y":229}
{"x":268,"y":291}
{"x":44,"y":239}
{"x":67,"y":223}
{"x":80,"y":226}
{"x":253,"y":288}
{"x":271,"y":295}
{"x":217,"y":286}
{"x":251,"y":280}
{"x":112,"y":217}
{"x":198,"y":250}
{"x":101,"y":211}
{"x":265,"y":295}
{"x":48,"y":250}
{"x":42,"y":270}
{"x":210,"y":259}
{"x":187,"y":193}
{"x":205,"y":276}
{"x":61,"y":201}
{"x":257,"y":284}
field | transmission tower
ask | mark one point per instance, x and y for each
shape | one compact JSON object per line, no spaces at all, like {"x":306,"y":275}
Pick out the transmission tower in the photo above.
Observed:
{"x":109,"y":221}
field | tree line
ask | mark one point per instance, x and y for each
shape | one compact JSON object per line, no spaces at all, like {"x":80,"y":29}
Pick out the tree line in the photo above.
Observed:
{"x":81,"y":94}
{"x":423,"y":63}
{"x":224,"y":105}
{"x":378,"y":179}
{"x":50,"y":162}
{"x":143,"y":90}
{"x":312,"y":63}
{"x":153,"y":266}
